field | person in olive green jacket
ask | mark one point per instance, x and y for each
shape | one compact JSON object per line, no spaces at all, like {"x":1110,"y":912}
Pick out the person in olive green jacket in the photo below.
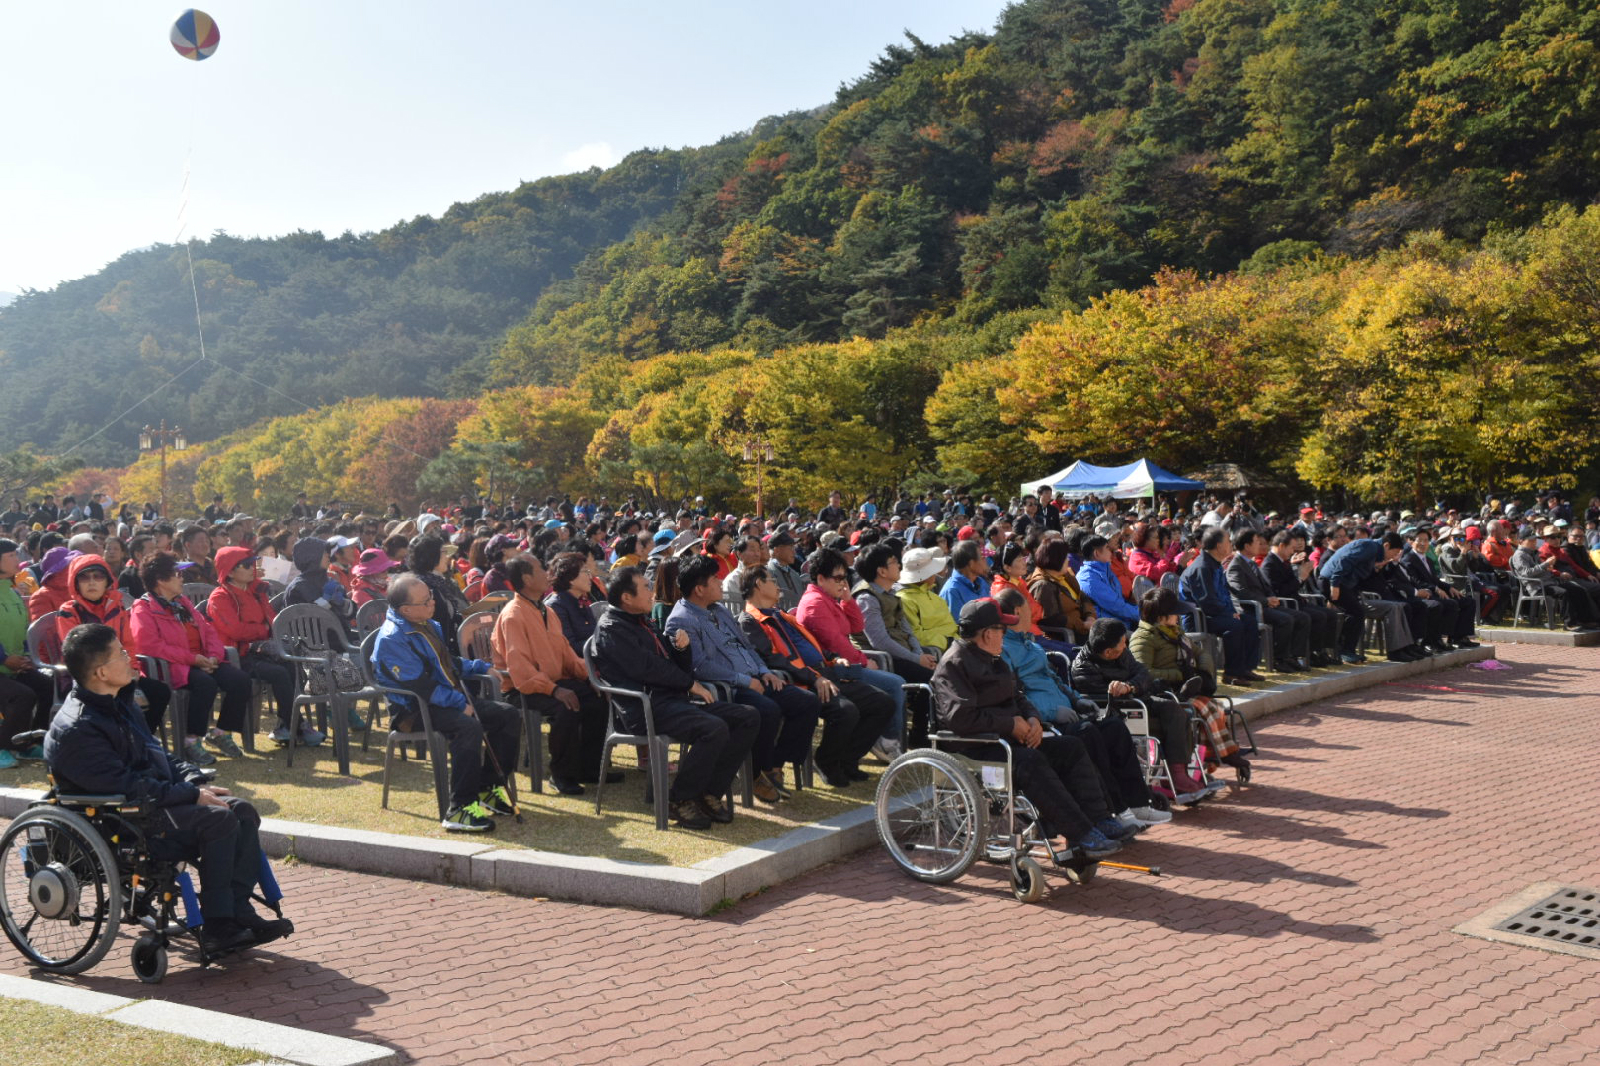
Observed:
{"x":926,"y":611}
{"x":1159,"y":644}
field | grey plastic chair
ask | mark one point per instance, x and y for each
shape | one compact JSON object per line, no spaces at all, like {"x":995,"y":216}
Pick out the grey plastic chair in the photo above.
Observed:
{"x":438,"y":750}
{"x":1531,"y":594}
{"x":474,"y":640}
{"x":657,"y":744}
{"x":370,"y":616}
{"x":197,"y":591}
{"x":44,"y":648}
{"x":311,"y":636}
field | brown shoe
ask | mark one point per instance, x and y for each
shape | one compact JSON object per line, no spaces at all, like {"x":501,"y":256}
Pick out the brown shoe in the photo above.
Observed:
{"x":763,"y":790}
{"x":713,"y":807}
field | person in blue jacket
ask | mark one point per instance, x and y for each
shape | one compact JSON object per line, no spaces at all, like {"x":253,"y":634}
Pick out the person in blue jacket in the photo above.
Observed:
{"x":1109,"y":743}
{"x":1205,"y":584}
{"x":969,"y":577}
{"x":1101,"y":585}
{"x":410,"y":653}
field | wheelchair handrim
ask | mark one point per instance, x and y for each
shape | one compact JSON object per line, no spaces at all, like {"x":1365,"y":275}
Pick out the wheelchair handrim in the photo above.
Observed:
{"x":76,"y":941}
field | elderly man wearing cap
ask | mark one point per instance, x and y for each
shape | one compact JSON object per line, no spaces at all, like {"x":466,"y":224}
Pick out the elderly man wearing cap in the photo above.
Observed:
{"x":791,"y":582}
{"x":1579,"y":608}
{"x":977,"y":694}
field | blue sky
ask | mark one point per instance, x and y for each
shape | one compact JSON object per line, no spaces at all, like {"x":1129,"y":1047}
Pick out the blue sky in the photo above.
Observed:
{"x":356,"y":115}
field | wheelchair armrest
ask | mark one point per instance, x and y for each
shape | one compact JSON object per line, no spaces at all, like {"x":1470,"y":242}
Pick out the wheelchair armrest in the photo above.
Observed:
{"x":1253,"y":607}
{"x":28,"y":739}
{"x":1289,"y":602}
{"x":880,"y":659}
{"x":84,"y":799}
{"x":945,"y":734}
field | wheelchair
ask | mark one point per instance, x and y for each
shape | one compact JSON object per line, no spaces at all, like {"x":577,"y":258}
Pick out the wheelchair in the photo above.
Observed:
{"x":939,"y":811}
{"x":75,"y":867}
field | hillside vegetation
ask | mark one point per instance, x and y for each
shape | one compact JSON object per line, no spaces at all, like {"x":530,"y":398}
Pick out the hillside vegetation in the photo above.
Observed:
{"x":1307,"y":236}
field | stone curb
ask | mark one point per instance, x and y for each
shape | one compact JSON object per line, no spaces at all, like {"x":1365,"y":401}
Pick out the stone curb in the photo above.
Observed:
{"x":1557,"y":637}
{"x":280,"y":1043}
{"x":698,"y":889}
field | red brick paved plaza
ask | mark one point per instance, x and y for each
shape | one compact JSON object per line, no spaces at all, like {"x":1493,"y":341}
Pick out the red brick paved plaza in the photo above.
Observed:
{"x":1307,"y":919}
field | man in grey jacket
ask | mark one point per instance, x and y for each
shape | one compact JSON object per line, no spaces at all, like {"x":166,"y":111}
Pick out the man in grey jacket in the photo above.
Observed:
{"x":723,"y":656}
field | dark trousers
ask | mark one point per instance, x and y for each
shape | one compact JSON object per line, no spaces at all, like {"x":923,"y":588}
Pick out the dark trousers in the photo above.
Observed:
{"x":498,"y":723}
{"x":1241,"y":642}
{"x":1291,"y":633}
{"x":225,"y":845}
{"x":1110,"y":747}
{"x":1169,"y":724}
{"x":1577,"y":609}
{"x":1060,"y":779}
{"x":1324,"y":625}
{"x":788,"y":722}
{"x":851,"y":723}
{"x":1355,"y":617}
{"x":25,"y":700}
{"x":718,"y":737}
{"x":576,"y":736}
{"x":277,"y":676}
{"x":157,"y":695}
{"x":233,"y":683}
{"x":917,"y":701}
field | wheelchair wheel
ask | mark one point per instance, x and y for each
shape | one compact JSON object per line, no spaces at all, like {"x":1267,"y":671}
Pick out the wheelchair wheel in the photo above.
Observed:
{"x":149,"y":959}
{"x":1027,"y":881}
{"x":60,"y":900}
{"x":931,"y":816}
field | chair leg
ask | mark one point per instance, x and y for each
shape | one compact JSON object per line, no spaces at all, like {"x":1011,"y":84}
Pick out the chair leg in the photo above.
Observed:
{"x":439,"y":757}
{"x":605,"y":767}
{"x":388,"y":761}
{"x":658,"y":776}
{"x":338,"y":712}
{"x":749,"y":791}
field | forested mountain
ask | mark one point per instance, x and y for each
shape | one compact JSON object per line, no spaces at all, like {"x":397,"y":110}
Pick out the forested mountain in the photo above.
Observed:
{"x":1076,"y":149}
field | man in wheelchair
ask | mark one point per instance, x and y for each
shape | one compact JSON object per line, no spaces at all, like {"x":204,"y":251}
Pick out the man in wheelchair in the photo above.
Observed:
{"x":99,"y":744}
{"x":975,"y":693}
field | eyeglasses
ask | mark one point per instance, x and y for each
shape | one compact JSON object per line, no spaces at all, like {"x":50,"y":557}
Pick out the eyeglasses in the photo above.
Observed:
{"x":420,"y":603}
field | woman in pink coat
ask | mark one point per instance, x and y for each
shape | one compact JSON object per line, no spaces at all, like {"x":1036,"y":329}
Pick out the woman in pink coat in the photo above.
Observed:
{"x":830,"y":613}
{"x":166,"y":626}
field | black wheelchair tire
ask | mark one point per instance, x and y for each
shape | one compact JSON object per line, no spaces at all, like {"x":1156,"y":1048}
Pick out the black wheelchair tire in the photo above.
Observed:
{"x":149,"y":959}
{"x":98,"y":875}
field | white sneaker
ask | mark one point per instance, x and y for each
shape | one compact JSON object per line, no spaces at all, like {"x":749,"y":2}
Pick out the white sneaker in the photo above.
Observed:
{"x":1127,"y":819}
{"x":1149,"y":816}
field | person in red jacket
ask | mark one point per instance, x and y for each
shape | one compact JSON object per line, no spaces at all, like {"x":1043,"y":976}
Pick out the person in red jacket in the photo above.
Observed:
{"x":828,"y":611}
{"x":95,"y":598}
{"x":242,"y":615}
{"x":166,"y":626}
{"x":53,"y":590}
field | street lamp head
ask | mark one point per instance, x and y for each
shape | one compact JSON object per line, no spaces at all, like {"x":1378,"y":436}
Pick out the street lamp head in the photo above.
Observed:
{"x":179,"y":442}
{"x":144,"y":439}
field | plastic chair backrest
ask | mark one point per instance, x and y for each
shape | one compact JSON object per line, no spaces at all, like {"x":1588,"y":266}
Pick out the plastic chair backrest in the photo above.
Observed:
{"x":473,"y":636}
{"x":280,"y":601}
{"x":1141,"y":585}
{"x":1169,"y":580}
{"x":274,"y":588}
{"x":490,"y":603}
{"x":44,"y":641}
{"x":370,"y":616}
{"x":307,"y":625}
{"x":197,"y":591}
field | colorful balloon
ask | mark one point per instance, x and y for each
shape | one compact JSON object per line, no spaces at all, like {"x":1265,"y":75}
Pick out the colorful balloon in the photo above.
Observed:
{"x":195,"y":35}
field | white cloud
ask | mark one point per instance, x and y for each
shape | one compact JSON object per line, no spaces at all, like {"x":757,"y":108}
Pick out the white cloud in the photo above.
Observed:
{"x":600,"y":154}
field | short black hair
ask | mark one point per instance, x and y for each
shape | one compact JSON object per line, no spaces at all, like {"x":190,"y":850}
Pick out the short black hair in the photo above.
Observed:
{"x":1104,"y":635}
{"x":825,"y":561}
{"x":620,"y":583}
{"x":1392,"y":539}
{"x":751,"y":578}
{"x":1091,"y":545}
{"x":157,"y":567}
{"x":86,"y":648}
{"x":422,"y":554}
{"x":1212,"y":538}
{"x":965,"y":554}
{"x":1009,"y":600}
{"x":1157,"y":603}
{"x":518,"y":569}
{"x":694,"y":572}
{"x":874,"y":561}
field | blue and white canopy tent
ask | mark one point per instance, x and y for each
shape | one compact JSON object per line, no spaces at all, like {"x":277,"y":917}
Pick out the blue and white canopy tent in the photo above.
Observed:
{"x":1130,"y":481}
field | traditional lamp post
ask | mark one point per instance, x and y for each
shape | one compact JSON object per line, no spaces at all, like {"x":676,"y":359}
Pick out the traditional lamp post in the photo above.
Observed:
{"x":758,"y":451}
{"x":153,"y":439}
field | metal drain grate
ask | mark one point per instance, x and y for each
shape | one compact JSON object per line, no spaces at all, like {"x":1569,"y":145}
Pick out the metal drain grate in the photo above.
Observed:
{"x":1570,"y":916}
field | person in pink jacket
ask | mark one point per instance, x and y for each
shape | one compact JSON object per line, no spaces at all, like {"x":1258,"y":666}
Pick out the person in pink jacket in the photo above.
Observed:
{"x":830,"y":613}
{"x":165,"y":625}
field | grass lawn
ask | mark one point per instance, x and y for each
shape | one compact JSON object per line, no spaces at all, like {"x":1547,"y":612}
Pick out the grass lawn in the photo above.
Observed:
{"x":314,"y":791}
{"x":34,"y":1033}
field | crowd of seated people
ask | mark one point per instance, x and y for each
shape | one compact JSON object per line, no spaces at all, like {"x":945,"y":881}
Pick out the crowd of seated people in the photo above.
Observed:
{"x":751,"y":633}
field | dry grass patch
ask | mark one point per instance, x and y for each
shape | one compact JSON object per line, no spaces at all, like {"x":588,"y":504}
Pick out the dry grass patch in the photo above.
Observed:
{"x":35,"y":1033}
{"x":314,"y":791}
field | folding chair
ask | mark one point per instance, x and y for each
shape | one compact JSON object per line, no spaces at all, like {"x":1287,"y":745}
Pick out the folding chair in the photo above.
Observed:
{"x":1264,"y":633}
{"x":1532,"y":594}
{"x":197,"y":591}
{"x":882,"y":661}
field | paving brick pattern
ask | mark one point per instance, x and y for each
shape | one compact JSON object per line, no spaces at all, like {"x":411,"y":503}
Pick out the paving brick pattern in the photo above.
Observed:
{"x":1305,"y":920}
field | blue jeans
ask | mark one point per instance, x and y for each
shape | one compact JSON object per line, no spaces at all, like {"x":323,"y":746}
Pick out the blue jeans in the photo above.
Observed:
{"x":895,"y":686}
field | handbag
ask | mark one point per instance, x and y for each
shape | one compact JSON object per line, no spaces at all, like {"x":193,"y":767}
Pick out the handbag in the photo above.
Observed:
{"x":346,"y":676}
{"x":271,"y":648}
